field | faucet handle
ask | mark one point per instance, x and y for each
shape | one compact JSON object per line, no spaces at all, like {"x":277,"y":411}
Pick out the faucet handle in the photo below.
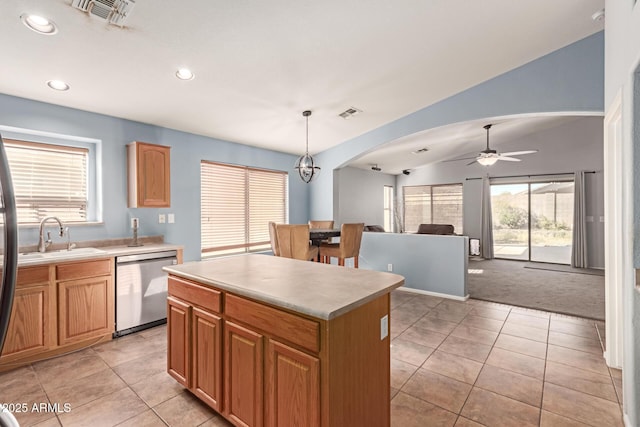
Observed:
{"x":69,"y":244}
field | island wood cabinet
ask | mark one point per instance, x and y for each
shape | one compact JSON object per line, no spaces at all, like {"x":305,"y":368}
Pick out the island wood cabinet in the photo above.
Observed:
{"x":58,"y":308}
{"x":276,"y":367}
{"x":194,"y":340}
{"x":148,"y":175}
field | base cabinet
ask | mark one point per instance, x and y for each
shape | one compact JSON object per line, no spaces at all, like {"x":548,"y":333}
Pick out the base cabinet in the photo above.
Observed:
{"x":207,"y":366}
{"x":85,"y":309}
{"x":32,"y":322}
{"x":259,"y":365}
{"x":293,"y":387}
{"x":243,"y":369}
{"x":194,"y":344}
{"x":178,"y":341}
{"x":28,"y":331}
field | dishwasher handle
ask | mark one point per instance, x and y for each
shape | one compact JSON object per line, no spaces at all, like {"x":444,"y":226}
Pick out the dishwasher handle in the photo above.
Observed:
{"x":149,"y":256}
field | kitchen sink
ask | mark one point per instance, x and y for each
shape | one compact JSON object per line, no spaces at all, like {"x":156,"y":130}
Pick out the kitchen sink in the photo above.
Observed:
{"x":62,"y":253}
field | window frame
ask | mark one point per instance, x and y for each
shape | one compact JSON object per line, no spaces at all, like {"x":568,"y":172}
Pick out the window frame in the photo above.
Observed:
{"x":248,"y":245}
{"x":431,"y":204}
{"x":88,"y":150}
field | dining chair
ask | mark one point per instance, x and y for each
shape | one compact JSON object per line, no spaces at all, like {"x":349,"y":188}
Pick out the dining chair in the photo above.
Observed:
{"x":320,"y":224}
{"x":273,"y":236}
{"x":293,"y":242}
{"x":349,"y":246}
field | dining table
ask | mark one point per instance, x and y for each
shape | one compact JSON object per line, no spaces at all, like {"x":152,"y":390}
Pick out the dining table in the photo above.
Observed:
{"x":317,"y":235}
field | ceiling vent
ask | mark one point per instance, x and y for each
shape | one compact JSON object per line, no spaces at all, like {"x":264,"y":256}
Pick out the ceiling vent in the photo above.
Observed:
{"x":113,"y":11}
{"x":420,"y":151}
{"x":349,"y":112}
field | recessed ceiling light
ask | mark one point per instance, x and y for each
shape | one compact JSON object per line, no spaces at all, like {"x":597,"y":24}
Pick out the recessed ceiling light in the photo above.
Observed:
{"x":185,"y":74}
{"x":39,"y":24}
{"x":58,"y":85}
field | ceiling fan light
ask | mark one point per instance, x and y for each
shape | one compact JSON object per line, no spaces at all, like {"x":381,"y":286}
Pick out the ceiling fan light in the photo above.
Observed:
{"x":487,"y":161}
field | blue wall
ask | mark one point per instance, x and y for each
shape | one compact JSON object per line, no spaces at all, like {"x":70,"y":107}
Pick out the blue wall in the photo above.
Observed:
{"x":186,"y":153}
{"x":570,"y":79}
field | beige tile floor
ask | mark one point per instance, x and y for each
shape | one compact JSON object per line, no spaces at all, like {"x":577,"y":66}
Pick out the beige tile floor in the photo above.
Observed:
{"x":453,"y":364}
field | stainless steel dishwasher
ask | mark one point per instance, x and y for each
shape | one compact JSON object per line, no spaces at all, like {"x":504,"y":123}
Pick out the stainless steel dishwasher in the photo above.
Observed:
{"x":141,"y":291}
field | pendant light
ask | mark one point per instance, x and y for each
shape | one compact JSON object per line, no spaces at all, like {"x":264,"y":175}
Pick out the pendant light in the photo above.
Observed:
{"x":306,"y":165}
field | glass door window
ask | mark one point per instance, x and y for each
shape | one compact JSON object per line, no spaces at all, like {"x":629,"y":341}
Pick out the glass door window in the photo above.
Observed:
{"x":510,"y":213}
{"x":552,"y":222}
{"x":533,"y":221}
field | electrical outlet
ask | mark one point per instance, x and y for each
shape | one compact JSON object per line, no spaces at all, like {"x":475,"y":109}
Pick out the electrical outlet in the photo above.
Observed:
{"x":171,"y":218}
{"x":162,"y":218}
{"x":389,"y":267}
{"x":384,"y":327}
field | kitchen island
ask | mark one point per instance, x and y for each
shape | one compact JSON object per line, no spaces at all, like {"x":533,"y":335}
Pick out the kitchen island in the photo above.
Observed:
{"x":271,"y":341}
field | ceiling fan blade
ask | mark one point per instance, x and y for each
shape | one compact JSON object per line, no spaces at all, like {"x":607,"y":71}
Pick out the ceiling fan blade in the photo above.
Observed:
{"x":474,"y":161}
{"x":508,"y":159}
{"x":456,"y":160}
{"x":519,"y":153}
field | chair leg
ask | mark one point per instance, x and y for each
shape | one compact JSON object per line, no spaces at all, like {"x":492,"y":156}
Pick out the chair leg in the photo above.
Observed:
{"x":341,"y":262}
{"x":355,"y":262}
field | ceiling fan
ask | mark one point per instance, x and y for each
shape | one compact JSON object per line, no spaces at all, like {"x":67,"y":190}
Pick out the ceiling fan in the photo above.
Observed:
{"x":488,"y":157}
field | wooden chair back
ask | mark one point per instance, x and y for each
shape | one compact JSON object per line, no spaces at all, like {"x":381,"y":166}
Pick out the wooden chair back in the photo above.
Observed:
{"x":273,"y":236}
{"x":293,"y":241}
{"x":350,"y":239}
{"x":321,"y":224}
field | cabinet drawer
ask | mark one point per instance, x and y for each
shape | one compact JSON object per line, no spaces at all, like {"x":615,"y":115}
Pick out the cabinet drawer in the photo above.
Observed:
{"x":195,"y":294}
{"x":295,"y":329}
{"x":83,"y":269}
{"x":32,"y":275}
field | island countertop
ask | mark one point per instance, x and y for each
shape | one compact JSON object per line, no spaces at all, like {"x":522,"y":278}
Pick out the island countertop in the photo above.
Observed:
{"x":319,"y":290}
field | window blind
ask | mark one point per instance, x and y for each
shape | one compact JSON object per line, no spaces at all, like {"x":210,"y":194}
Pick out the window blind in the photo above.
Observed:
{"x":48,"y":180}
{"x":433,"y":204}
{"x":237,"y":204}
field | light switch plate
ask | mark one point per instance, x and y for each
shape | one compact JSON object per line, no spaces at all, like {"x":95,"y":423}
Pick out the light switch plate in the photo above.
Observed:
{"x":384,"y":327}
{"x":162,"y":218}
{"x":171,"y":218}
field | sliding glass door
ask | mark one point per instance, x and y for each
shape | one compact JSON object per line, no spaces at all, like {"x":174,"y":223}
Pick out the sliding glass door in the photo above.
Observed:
{"x":533,"y":221}
{"x":551,"y":222}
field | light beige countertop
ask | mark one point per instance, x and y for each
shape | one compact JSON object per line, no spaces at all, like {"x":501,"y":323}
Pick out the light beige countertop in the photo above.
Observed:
{"x":319,"y":290}
{"x":83,"y":253}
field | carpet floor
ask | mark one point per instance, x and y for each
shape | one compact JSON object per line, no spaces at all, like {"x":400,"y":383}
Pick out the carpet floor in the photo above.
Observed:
{"x":509,"y":282}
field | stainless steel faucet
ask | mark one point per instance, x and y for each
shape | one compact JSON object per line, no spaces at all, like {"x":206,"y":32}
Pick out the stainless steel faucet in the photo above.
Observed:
{"x":43,"y":244}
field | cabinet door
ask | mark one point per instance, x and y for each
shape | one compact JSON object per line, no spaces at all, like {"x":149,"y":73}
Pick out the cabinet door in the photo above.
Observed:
{"x":29,"y":325}
{"x":151,"y":175}
{"x":85,"y":309}
{"x":243,"y":370}
{"x":207,"y":341}
{"x":178,"y":341}
{"x":293,"y":387}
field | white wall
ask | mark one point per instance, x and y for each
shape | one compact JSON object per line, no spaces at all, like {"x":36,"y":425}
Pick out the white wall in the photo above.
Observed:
{"x":622,"y":67}
{"x":360,"y":195}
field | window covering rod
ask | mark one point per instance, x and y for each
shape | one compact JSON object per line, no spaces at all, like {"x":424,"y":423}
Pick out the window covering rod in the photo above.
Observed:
{"x":530,"y":175}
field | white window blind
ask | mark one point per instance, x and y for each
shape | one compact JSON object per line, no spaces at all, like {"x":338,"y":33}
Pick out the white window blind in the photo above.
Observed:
{"x":237,"y":204}
{"x":433,"y":204}
{"x":48,"y":180}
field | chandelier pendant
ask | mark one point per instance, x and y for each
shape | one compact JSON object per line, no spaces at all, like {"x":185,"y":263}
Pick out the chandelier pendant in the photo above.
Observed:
{"x":306,"y":166}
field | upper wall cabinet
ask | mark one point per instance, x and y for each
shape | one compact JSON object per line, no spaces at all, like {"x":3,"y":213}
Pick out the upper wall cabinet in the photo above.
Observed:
{"x":149,"y":175}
